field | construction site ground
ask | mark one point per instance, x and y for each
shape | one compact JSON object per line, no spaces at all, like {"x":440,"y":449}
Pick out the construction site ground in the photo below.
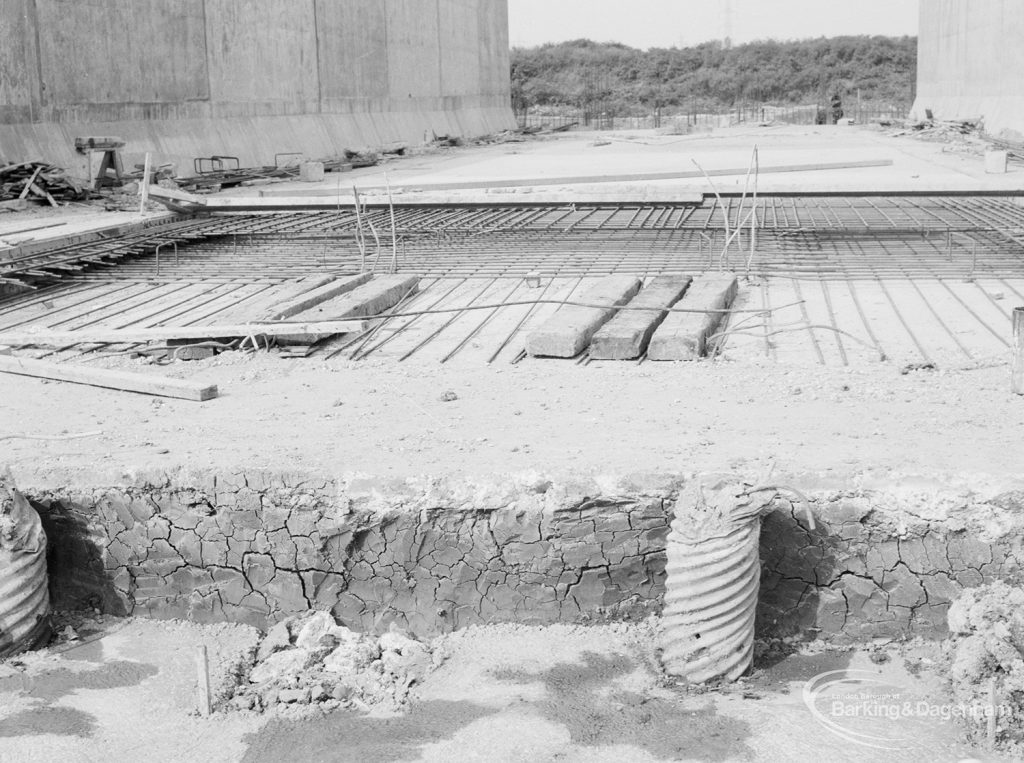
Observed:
{"x":811,"y":404}
{"x":549,"y":416}
{"x":126,"y":689}
{"x":814,"y":411}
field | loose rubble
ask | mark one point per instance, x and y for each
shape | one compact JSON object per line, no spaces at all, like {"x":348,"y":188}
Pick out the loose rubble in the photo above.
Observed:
{"x":964,"y":136}
{"x":41,"y":183}
{"x":986,"y":673}
{"x":309,"y":661}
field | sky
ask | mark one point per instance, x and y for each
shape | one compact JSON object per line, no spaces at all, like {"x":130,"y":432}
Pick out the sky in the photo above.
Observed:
{"x":664,"y":23}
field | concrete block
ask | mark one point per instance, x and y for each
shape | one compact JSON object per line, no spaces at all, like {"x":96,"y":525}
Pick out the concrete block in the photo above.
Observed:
{"x":567,"y":332}
{"x":311,"y":172}
{"x":995,"y":162}
{"x":625,"y":336}
{"x":372,"y":298}
{"x":683,"y":336}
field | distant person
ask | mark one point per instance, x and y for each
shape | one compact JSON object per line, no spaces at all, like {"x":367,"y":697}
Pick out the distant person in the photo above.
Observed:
{"x":837,"y":107}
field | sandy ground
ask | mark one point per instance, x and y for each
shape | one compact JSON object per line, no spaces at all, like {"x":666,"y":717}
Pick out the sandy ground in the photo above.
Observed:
{"x":391,"y":419}
{"x":126,"y":690}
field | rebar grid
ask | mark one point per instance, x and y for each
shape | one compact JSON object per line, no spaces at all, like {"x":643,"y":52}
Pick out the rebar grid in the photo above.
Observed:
{"x":468,"y":255}
{"x":853,"y":237}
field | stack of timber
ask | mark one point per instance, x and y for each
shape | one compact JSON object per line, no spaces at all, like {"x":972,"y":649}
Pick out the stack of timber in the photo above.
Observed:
{"x":38,"y":182}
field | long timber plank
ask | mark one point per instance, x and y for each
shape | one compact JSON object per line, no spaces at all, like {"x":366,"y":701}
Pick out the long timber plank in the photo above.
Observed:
{"x":52,"y":338}
{"x":372,"y":298}
{"x":320,"y":292}
{"x":100,"y":377}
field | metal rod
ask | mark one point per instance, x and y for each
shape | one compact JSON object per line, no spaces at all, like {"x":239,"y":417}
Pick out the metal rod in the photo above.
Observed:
{"x":1017,"y":374}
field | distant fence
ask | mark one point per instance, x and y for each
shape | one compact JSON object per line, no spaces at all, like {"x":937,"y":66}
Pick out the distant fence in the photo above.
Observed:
{"x":796,"y":115}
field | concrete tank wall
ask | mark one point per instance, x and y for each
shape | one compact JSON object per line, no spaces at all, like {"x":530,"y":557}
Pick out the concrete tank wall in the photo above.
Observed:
{"x":970,"y":56}
{"x":248,"y":78}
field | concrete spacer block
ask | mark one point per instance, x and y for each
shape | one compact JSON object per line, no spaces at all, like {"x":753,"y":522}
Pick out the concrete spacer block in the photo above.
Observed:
{"x":683,"y":336}
{"x":568,"y":331}
{"x":995,"y":162}
{"x":625,"y":336}
{"x":186,"y":352}
{"x":311,"y":172}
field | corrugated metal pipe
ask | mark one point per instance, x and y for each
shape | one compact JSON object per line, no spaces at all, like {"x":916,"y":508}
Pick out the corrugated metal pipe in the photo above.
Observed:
{"x":713,"y":578}
{"x":24,"y":597}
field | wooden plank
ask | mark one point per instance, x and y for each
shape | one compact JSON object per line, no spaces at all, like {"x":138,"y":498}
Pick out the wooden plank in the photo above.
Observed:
{"x":55,"y":338}
{"x":637,"y":177}
{"x":43,"y":194}
{"x":100,"y":377}
{"x":144,"y":188}
{"x":295,"y":200}
{"x":683,"y":336}
{"x":31,"y":180}
{"x":625,"y":336}
{"x":567,"y":332}
{"x":160,"y":193}
{"x":12,"y":167}
{"x":255,"y":307}
{"x":315,"y":296}
{"x":372,"y":298}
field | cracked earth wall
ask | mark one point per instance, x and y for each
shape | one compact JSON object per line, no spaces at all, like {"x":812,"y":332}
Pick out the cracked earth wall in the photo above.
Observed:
{"x":437,"y":554}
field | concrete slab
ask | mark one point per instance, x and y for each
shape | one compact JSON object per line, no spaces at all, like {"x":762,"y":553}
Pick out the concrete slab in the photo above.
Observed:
{"x":76,"y":226}
{"x":683,"y":336}
{"x":372,"y":298}
{"x":916,"y":165}
{"x":625,"y":336}
{"x":568,"y":331}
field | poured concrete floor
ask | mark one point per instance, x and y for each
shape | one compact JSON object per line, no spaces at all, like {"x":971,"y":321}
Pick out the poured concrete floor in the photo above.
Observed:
{"x":916,"y":165}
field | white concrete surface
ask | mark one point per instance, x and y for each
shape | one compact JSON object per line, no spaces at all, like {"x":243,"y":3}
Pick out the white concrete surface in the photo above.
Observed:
{"x":970,"y":55}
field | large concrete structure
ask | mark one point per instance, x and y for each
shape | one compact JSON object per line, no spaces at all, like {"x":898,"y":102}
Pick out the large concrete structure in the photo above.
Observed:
{"x":248,"y":78}
{"x":970,"y":56}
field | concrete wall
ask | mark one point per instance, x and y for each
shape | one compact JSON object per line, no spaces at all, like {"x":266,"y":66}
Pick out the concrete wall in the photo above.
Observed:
{"x":970,"y":58}
{"x":248,"y":78}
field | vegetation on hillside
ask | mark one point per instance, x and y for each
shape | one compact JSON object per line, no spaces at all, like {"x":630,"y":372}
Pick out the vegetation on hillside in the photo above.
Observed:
{"x":624,"y":80}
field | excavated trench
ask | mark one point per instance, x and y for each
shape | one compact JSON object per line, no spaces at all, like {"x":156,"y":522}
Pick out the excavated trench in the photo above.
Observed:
{"x":886,"y":557}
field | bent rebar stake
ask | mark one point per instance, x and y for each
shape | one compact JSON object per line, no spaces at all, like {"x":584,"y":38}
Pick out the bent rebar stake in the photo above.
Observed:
{"x":713,"y":578}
